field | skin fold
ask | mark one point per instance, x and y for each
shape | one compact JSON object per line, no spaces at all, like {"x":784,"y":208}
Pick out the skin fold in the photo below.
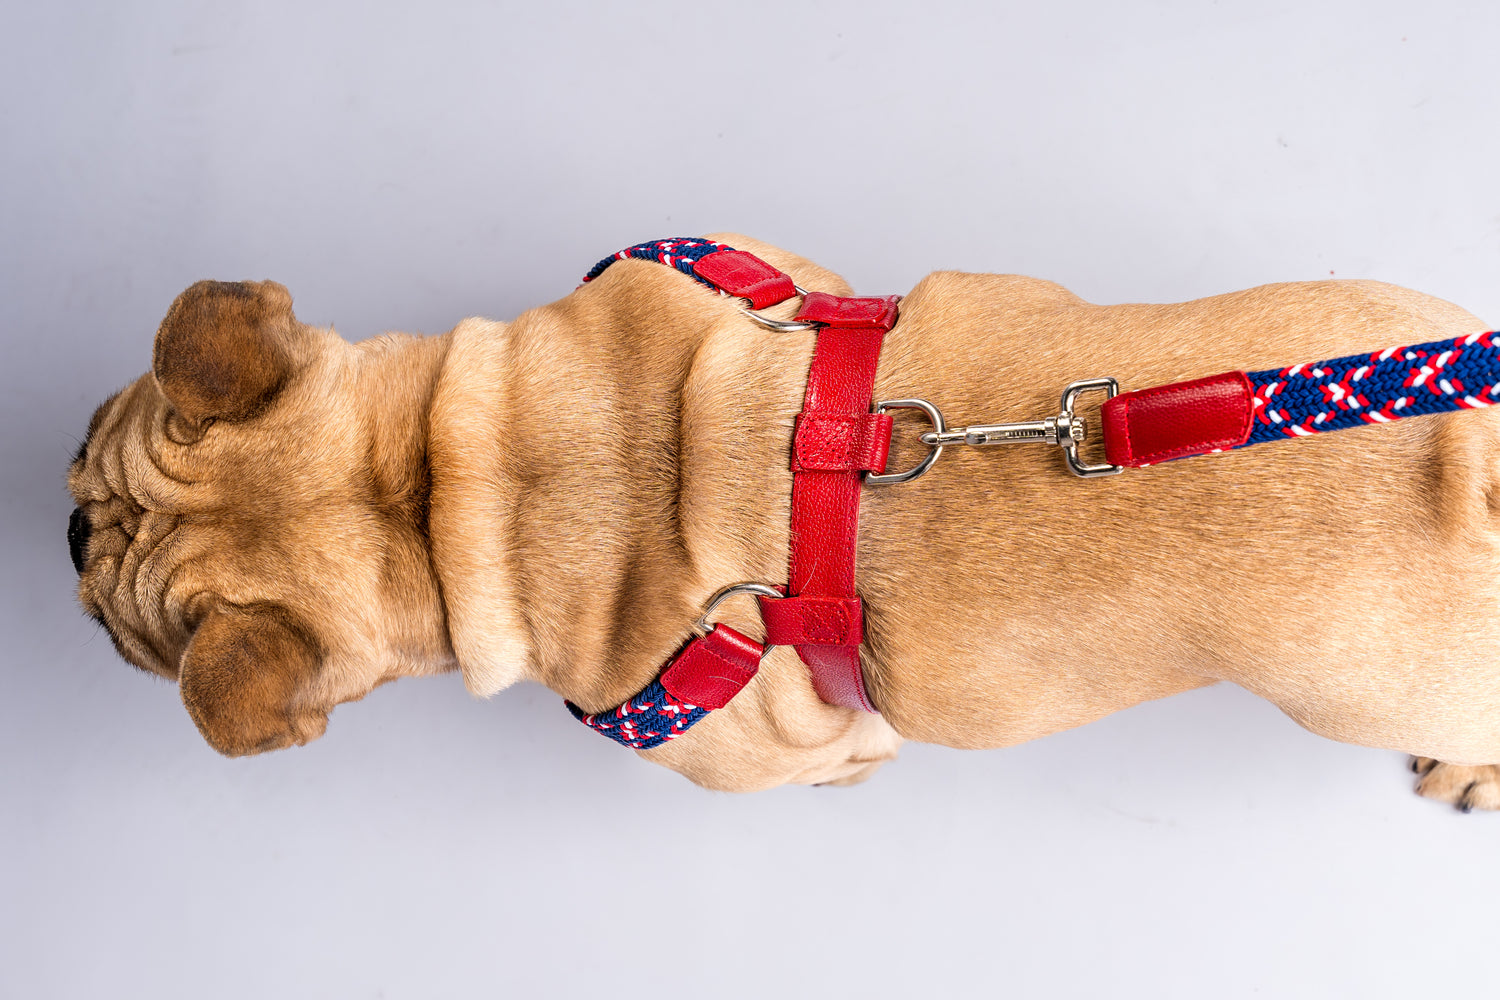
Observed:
{"x":280,"y":521}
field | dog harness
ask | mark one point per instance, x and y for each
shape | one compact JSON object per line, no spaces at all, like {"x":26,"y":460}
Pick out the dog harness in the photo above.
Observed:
{"x":841,"y":440}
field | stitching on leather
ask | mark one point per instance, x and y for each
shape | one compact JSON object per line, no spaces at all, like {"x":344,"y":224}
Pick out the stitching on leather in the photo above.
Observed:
{"x":1249,"y":391}
{"x":826,"y":623}
{"x":854,"y":310}
{"x":824,"y":441}
{"x":821,"y":621}
{"x":742,"y":266}
{"x":1125,"y":422}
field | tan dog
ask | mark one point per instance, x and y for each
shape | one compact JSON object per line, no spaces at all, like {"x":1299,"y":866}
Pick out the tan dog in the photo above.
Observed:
{"x":280,"y":521}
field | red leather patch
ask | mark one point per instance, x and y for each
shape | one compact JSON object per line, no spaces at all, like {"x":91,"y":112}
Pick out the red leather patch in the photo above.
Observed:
{"x":746,"y":275}
{"x":713,"y":668}
{"x":1177,"y":420}
{"x":841,"y":442}
{"x":816,"y":621}
{"x":838,"y":311}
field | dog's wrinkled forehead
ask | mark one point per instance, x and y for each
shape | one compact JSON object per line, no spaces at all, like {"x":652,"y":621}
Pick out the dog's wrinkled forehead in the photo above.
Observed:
{"x":174,"y":466}
{"x":109,"y":461}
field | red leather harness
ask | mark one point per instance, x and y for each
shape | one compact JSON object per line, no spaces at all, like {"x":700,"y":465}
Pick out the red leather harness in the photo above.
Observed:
{"x":836,"y":441}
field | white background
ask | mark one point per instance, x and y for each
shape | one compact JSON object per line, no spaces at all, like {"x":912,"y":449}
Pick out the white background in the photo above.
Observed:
{"x":403,"y":166}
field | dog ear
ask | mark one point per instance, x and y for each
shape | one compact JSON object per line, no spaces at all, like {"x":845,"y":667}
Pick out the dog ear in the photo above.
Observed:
{"x":242,"y":678}
{"x":222,"y":350}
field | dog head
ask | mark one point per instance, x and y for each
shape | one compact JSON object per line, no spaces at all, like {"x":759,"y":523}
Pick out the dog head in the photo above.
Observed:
{"x":251,"y":516}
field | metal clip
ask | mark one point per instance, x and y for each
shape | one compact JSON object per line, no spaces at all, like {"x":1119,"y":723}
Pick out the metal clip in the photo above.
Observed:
{"x":1066,"y":430}
{"x":1058,"y":430}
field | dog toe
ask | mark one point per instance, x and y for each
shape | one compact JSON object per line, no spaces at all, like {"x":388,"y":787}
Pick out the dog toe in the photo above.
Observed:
{"x":1463,"y":786}
{"x":1421,"y":765}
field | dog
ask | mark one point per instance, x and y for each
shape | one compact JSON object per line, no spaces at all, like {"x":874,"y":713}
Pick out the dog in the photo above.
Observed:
{"x":279,"y":521}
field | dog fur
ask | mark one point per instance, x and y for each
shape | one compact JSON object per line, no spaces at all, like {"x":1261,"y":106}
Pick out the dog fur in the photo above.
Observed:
{"x":280,"y":521}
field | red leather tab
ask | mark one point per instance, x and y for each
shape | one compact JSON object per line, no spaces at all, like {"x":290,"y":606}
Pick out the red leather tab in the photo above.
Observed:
{"x":813,"y":621}
{"x":713,"y":668}
{"x":1177,"y":420}
{"x":746,"y":275}
{"x":836,"y":310}
{"x":841,"y":443}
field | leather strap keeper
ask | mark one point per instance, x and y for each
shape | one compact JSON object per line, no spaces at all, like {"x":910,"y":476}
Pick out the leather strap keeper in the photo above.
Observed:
{"x":813,"y":621}
{"x":877,"y":313}
{"x":856,"y":442}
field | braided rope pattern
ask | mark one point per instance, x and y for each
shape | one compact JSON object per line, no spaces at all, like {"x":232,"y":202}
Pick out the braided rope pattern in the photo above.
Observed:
{"x":648,"y":720}
{"x":680,"y":252}
{"x":1306,"y":399}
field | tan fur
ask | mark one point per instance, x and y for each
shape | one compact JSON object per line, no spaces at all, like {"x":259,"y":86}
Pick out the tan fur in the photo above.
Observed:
{"x":552,"y":499}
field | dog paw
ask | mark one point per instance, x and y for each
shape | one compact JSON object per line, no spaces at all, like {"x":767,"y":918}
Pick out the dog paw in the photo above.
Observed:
{"x":1465,"y":787}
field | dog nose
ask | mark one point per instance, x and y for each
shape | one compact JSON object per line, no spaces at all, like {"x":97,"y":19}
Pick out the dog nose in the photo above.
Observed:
{"x":78,"y":538}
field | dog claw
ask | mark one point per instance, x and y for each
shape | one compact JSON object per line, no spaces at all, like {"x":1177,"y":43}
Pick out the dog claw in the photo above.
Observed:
{"x":1421,"y":765}
{"x":1466,"y":804}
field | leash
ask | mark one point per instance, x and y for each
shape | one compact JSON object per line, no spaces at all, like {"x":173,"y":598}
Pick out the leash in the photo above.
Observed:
{"x":841,"y":443}
{"x":1237,"y":409}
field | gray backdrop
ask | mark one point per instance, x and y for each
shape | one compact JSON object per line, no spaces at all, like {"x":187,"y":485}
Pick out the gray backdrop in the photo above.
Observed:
{"x":403,"y":166}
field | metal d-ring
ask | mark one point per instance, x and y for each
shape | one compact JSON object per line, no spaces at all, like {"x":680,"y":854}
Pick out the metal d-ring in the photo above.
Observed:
{"x":779,"y":325}
{"x":938,"y":427}
{"x":703,"y":626}
{"x":1111,"y":388}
